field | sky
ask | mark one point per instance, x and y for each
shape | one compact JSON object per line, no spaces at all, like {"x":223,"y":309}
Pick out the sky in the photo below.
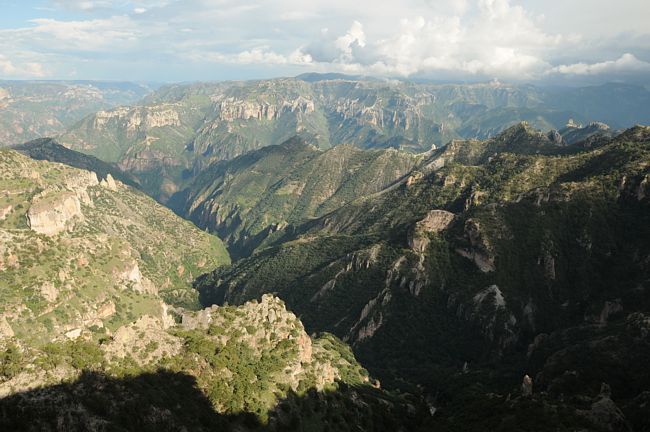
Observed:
{"x":549,"y":41}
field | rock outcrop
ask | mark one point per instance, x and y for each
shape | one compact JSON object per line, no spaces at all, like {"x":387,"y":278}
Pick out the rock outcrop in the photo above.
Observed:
{"x":54,"y":213}
{"x":434,"y":222}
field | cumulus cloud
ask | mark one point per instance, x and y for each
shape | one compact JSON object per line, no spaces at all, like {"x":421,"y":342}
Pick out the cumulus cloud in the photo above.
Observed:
{"x":627,"y":63}
{"x":500,"y":40}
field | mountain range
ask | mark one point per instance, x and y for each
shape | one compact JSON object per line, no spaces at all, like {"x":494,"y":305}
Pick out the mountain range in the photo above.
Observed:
{"x":35,"y":109}
{"x":176,"y":131}
{"x":329,"y":252}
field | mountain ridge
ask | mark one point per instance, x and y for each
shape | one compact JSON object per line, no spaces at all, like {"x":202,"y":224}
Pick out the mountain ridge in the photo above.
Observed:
{"x":180,"y":129}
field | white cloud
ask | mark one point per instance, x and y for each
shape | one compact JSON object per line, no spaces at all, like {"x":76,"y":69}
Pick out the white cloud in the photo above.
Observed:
{"x":86,"y":35}
{"x":84,"y":5}
{"x":500,"y":40}
{"x":627,"y":63}
{"x":447,"y":39}
{"x":9,"y":68}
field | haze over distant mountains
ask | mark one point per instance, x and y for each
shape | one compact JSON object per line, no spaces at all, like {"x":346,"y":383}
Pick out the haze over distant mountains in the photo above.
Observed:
{"x":178,"y":129}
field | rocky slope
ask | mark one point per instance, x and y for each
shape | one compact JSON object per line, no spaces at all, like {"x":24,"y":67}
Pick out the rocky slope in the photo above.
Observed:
{"x":251,"y":367}
{"x":247,"y":199}
{"x":33,"y":109}
{"x":81,"y":254}
{"x":180,"y":129}
{"x":491,"y":260}
{"x":100,"y":329}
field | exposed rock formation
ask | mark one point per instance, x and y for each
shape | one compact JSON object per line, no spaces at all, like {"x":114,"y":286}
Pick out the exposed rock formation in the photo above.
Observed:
{"x":109,"y":183}
{"x":527,"y":386}
{"x":5,"y":329}
{"x":435,"y":221}
{"x":145,"y":341}
{"x":54,"y":213}
{"x":231,"y":109}
{"x":4,"y":211}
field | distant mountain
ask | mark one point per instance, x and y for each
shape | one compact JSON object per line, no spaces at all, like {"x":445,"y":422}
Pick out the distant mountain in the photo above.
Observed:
{"x":179,"y":129}
{"x":491,"y":260}
{"x":35,"y":109}
{"x":315,"y":77}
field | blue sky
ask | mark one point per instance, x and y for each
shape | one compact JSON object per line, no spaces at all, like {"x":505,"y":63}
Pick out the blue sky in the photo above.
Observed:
{"x":568,"y":41}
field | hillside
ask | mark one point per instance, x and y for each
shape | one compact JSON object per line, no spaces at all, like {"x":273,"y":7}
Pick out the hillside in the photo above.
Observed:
{"x":495,"y":259}
{"x":247,"y":199}
{"x":99,"y":326}
{"x":179,"y":129}
{"x":84,"y":255}
{"x":34,"y":109}
{"x":243,"y":368}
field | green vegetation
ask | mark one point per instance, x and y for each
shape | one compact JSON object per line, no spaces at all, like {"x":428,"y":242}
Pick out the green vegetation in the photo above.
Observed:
{"x":546,"y":240}
{"x":110,"y":264}
{"x":276,"y":379}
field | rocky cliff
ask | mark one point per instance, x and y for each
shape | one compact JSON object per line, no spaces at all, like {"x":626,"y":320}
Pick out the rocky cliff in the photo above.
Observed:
{"x":251,"y":367}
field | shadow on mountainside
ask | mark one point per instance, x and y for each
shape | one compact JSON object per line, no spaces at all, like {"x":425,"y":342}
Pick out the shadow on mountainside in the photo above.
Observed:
{"x":169,"y":401}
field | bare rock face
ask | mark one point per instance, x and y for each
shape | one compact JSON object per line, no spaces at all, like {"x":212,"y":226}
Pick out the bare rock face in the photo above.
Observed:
{"x":5,"y":329}
{"x":135,"y":119}
{"x":49,"y":292}
{"x":527,"y":386}
{"x":145,"y":340}
{"x":109,"y":183}
{"x":52,"y":214}
{"x":131,"y":276}
{"x":4,"y":211}
{"x":106,"y":310}
{"x":161,"y":118}
{"x":480,"y":251}
{"x":198,"y":320}
{"x":231,"y":109}
{"x":644,"y":188}
{"x":435,"y":221}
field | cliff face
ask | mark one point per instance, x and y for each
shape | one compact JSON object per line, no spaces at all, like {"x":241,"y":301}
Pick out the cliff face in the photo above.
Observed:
{"x":50,"y":215}
{"x":231,"y":109}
